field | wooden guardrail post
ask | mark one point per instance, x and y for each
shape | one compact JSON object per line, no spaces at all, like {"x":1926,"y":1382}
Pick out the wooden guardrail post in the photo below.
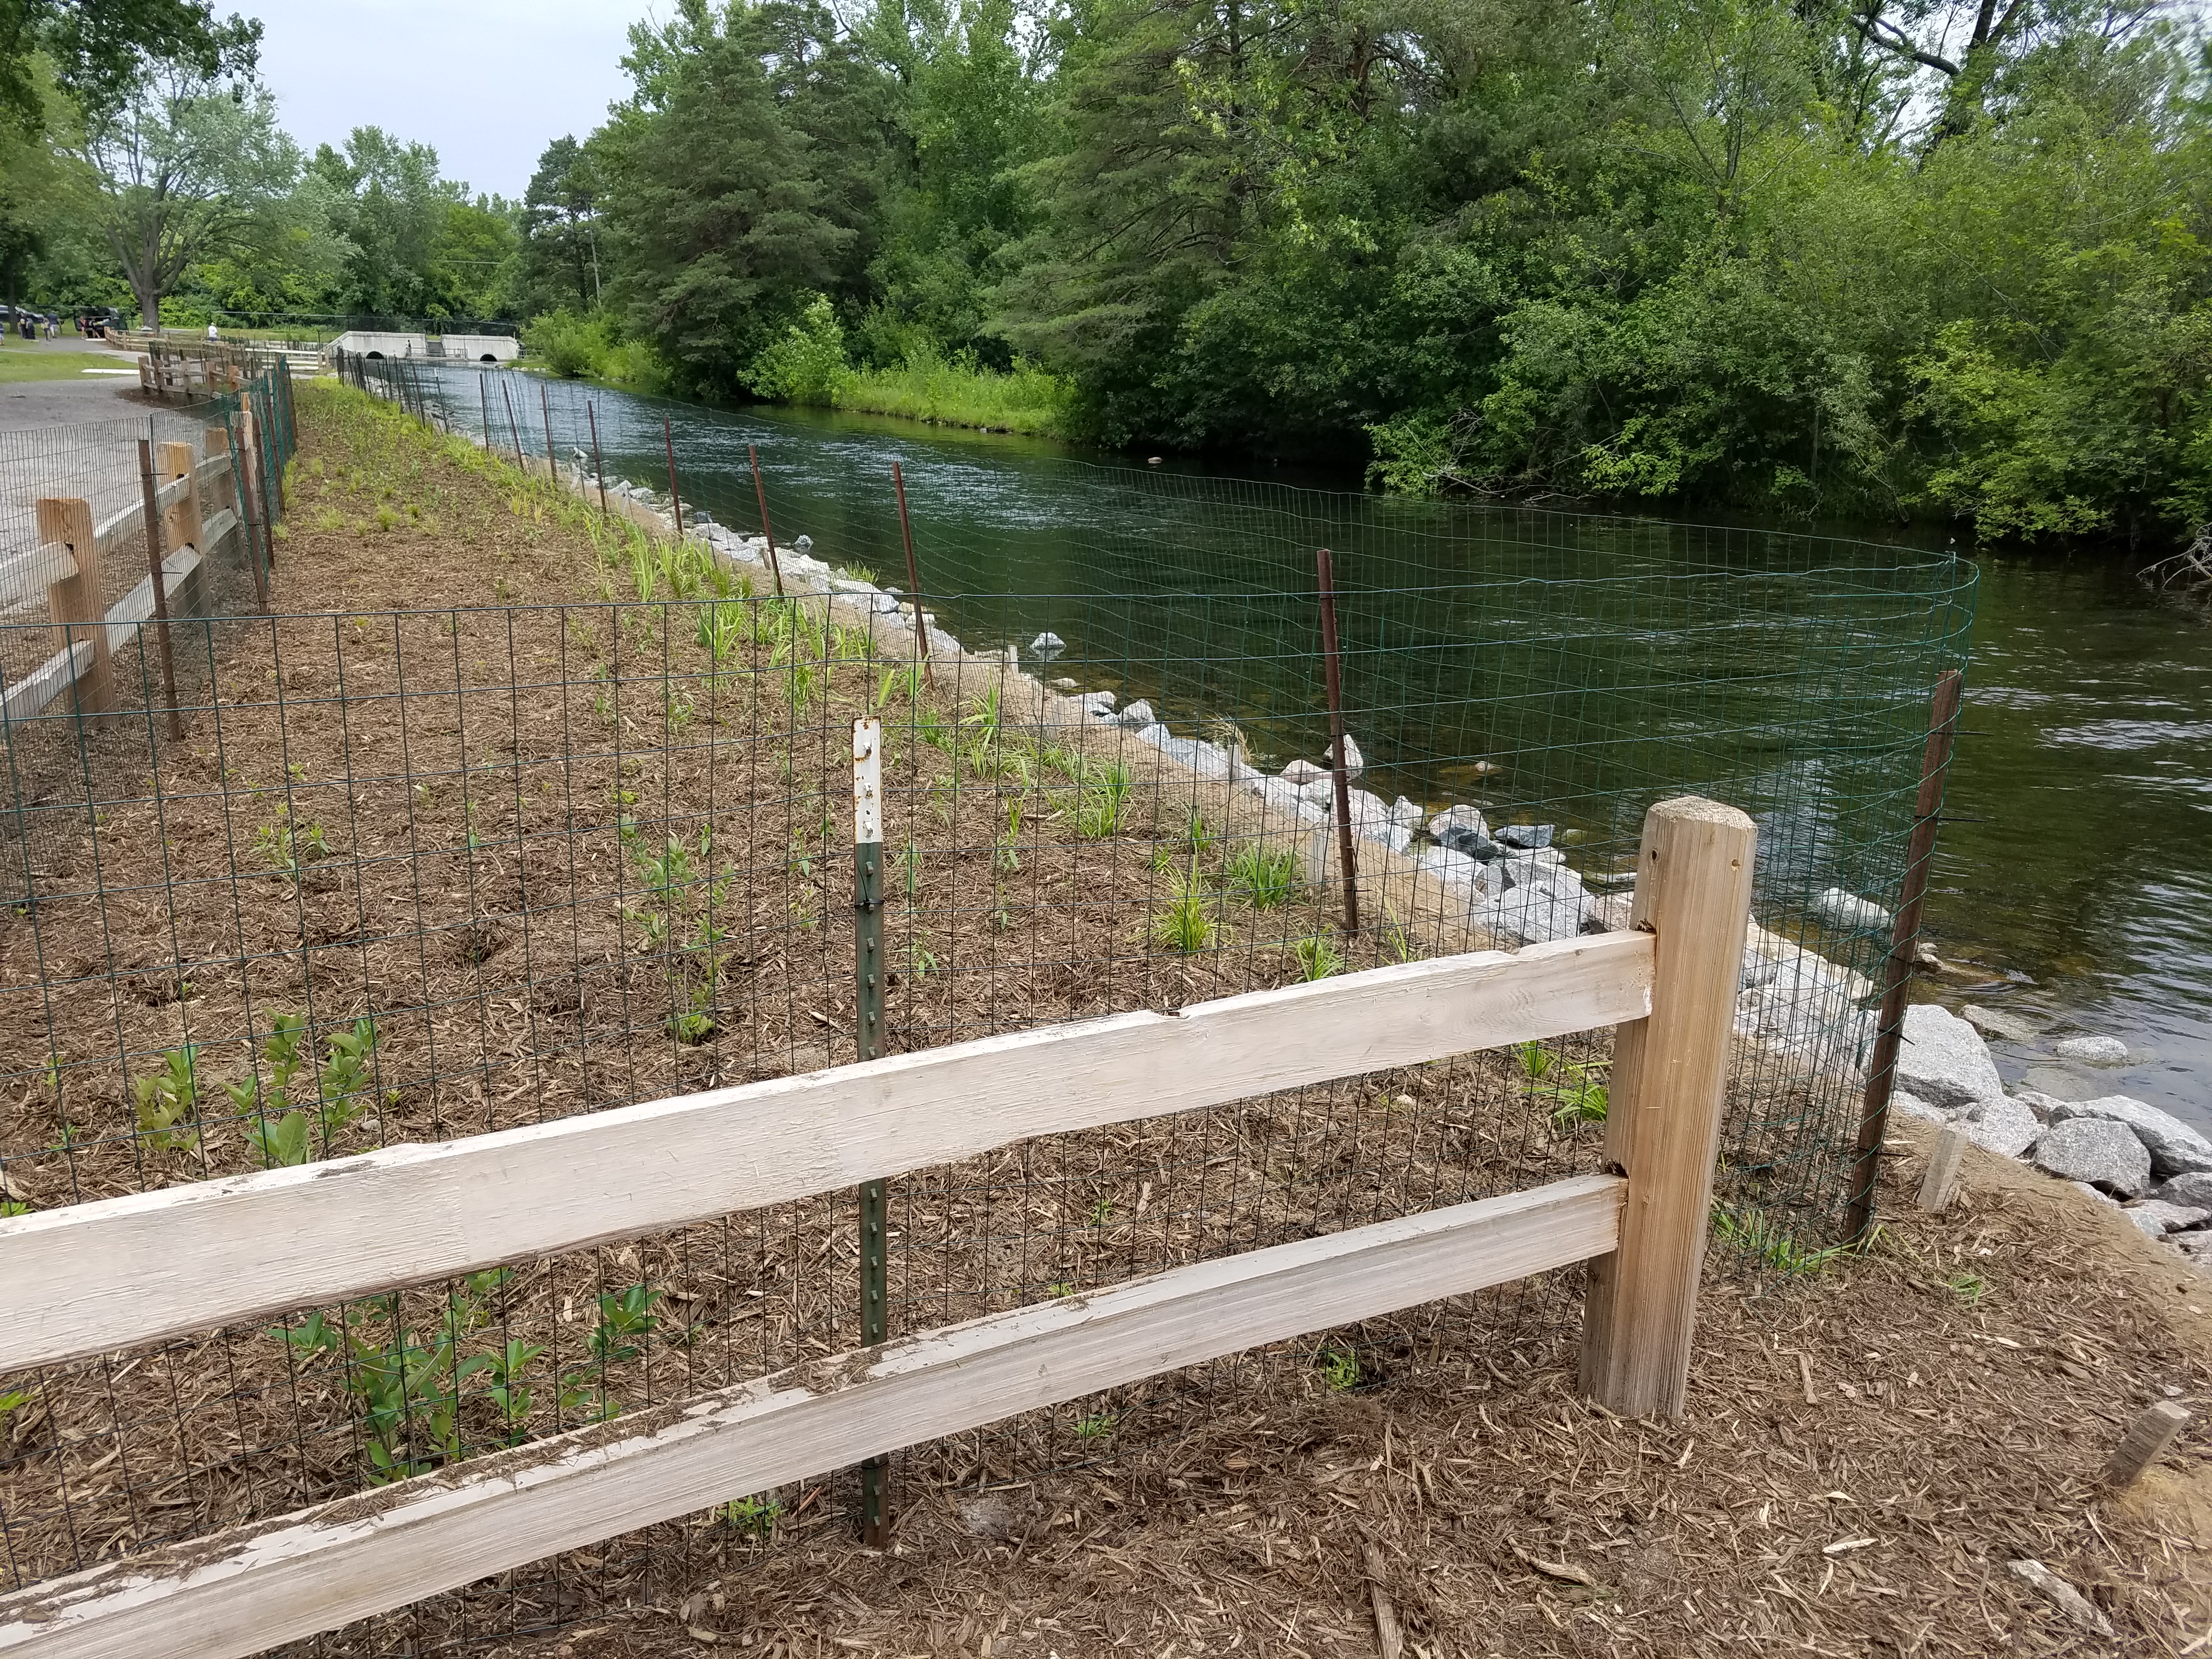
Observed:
{"x":74,"y":603}
{"x":1663,"y":1118}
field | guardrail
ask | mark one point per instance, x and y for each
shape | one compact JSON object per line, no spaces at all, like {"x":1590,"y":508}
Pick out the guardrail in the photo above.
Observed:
{"x":95,"y":1277}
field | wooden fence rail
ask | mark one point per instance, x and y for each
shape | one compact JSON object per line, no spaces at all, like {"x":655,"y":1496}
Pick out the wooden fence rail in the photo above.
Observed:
{"x":99,"y":1277}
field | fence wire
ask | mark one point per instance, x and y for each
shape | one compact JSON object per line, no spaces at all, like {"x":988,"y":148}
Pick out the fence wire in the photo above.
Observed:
{"x":512,"y":812}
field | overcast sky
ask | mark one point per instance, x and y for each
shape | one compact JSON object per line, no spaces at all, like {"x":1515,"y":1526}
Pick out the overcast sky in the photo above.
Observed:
{"x":490,"y":82}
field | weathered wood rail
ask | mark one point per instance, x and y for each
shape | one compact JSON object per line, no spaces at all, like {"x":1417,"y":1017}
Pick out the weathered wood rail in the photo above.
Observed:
{"x":95,"y":1277}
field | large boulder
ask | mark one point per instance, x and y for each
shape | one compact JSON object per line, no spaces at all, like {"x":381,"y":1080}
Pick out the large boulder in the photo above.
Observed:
{"x":2157,"y":1218}
{"x":1208,"y":759}
{"x":2191,"y":1191}
{"x":1527,"y":837}
{"x":1301,"y":773}
{"x":1046,"y":646}
{"x":2174,"y":1147}
{"x":1944,"y":1060}
{"x":1137,"y":715}
{"x":1464,"y":830}
{"x":2097,"y":1151}
{"x":1841,"y":909}
{"x":1904,"y":1100}
{"x":1372,"y":819}
{"x":1449,"y":865}
{"x":1354,"y":762}
{"x":2003,"y":1124}
{"x":1996,"y":1022}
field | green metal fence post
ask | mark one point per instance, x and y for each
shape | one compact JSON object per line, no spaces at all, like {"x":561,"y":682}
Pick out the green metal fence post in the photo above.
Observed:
{"x":868,"y":983}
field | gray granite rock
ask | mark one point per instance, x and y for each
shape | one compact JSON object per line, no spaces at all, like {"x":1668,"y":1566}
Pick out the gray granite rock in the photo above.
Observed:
{"x":2174,"y":1147}
{"x":1904,"y":1100}
{"x":1943,"y":1060}
{"x":1841,"y":909}
{"x":1208,"y":759}
{"x":2093,"y":1050}
{"x":2197,"y":1246}
{"x":1446,"y":865}
{"x":1046,"y":646}
{"x":2003,"y":1125}
{"x":2096,"y":1150}
{"x":1354,"y":764}
{"x":2158,"y":1219}
{"x":2041,"y":1104}
{"x":1373,"y":819}
{"x":1464,"y":830}
{"x":2191,"y":1191}
{"x":1534,"y":913}
{"x":1098,"y":705}
{"x":1526,"y":836}
{"x":1408,"y":813}
{"x":1300,"y":773}
{"x":1137,"y":715}
{"x":2061,"y":1083}
{"x":2088,"y":1191}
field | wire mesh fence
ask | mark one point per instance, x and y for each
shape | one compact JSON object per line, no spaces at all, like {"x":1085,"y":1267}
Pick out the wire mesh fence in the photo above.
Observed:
{"x":511,"y":811}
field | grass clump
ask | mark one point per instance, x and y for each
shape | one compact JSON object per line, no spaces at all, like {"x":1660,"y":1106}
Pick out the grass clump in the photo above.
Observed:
{"x":1265,"y":879}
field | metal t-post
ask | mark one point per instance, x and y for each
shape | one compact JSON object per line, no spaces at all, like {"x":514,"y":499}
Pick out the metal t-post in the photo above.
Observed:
{"x":598,"y":465}
{"x":868,"y":986}
{"x":1341,"y":768}
{"x":1897,"y":982}
{"x":675,"y":497}
{"x":768,"y":530}
{"x":913,"y":580}
{"x":159,"y":577}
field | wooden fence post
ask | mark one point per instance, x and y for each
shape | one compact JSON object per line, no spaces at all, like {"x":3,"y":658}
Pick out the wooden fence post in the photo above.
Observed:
{"x":180,"y":522}
{"x":74,"y":603}
{"x":225,"y":489}
{"x":1663,"y":1117}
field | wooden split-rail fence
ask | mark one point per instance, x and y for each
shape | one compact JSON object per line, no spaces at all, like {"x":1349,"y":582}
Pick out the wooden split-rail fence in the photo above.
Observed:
{"x":95,"y":1277}
{"x":196,"y":504}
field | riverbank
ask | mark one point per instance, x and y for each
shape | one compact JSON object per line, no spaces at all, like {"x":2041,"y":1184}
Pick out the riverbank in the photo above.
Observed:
{"x":1872,"y":1441}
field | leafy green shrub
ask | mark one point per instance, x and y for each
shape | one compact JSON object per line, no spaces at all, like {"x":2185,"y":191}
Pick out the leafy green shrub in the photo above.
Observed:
{"x":571,"y":344}
{"x":805,"y":364}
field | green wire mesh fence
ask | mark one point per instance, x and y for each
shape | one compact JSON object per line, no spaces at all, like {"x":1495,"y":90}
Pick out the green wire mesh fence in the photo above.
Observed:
{"x":510,"y":811}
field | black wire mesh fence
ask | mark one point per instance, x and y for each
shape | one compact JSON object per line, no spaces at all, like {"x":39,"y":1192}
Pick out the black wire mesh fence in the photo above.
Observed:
{"x":541,"y":813}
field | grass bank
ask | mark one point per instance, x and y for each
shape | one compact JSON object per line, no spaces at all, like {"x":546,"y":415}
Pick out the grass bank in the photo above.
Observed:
{"x":1024,"y":399}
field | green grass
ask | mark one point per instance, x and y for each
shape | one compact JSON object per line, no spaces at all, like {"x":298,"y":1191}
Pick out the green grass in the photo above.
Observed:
{"x":952,"y":393}
{"x":19,"y":363}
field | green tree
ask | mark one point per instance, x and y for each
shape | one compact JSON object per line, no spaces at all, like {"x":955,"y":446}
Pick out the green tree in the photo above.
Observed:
{"x":560,"y":230}
{"x":183,"y":169}
{"x":96,"y":50}
{"x":740,"y":180}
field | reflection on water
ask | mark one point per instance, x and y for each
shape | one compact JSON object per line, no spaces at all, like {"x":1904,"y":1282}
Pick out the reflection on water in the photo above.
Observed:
{"x":2074,"y":884}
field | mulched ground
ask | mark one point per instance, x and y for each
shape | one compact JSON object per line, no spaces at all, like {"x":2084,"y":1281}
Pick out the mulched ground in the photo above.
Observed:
{"x":1866,"y":1448}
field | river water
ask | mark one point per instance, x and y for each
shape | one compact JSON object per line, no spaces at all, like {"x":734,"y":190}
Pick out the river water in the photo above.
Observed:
{"x":2073,"y":883}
